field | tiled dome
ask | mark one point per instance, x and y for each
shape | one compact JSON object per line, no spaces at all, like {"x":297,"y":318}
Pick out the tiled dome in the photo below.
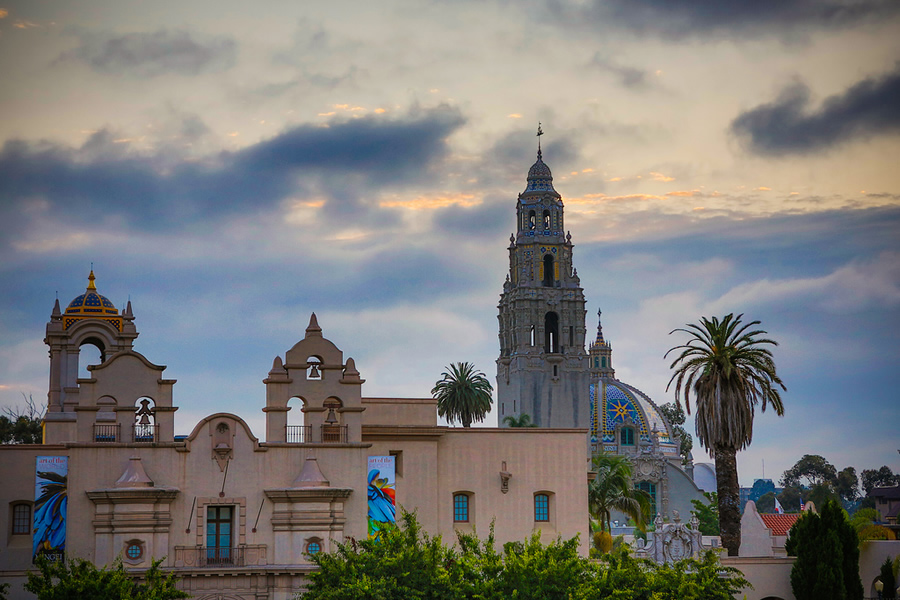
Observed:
{"x":614,"y":402}
{"x":90,"y":303}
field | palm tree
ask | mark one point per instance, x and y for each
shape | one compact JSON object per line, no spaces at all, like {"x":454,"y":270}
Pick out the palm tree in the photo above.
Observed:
{"x":729,"y":370}
{"x":523,"y":420}
{"x":463,"y":394}
{"x":613,"y":489}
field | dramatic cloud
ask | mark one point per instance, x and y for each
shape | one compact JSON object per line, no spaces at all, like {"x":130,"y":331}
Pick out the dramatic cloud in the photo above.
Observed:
{"x":344,"y":162}
{"x":706,"y":18}
{"x":787,"y":126}
{"x":145,"y":54}
{"x":630,"y":77}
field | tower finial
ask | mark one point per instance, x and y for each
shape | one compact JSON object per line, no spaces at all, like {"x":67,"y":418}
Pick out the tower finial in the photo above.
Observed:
{"x":540,"y":132}
{"x":599,"y":339}
{"x":91,"y":279}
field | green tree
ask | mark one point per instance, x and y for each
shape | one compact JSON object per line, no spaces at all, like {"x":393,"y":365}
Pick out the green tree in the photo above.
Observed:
{"x":707,"y":514}
{"x":766,"y":503}
{"x":79,"y":579}
{"x":827,"y":551}
{"x":22,"y":426}
{"x":887,"y":578}
{"x":676,"y":417}
{"x":790,"y":498}
{"x":613,"y":489}
{"x":847,"y":484}
{"x":809,"y":471}
{"x":523,"y":420}
{"x":729,"y":369}
{"x":883,"y":477}
{"x":463,"y":394}
{"x":866,"y":523}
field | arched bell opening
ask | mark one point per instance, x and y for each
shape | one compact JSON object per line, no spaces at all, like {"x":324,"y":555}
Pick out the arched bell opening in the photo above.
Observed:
{"x":296,"y":430}
{"x":551,"y":333}
{"x":314,"y":368}
{"x":532,"y":220}
{"x":94,"y":354}
{"x":333,"y":429}
{"x":549,"y":279}
{"x":145,"y":428}
{"x":546,"y":220}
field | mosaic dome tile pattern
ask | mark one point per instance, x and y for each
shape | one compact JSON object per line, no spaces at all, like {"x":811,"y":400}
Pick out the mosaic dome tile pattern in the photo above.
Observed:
{"x":614,"y":403}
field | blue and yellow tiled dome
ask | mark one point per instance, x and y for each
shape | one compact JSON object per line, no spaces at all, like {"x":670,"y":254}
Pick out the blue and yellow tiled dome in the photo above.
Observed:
{"x":90,"y":304}
{"x":614,"y":403}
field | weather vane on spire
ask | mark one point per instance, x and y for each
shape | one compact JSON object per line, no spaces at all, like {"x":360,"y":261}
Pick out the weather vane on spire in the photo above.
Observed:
{"x":540,"y":132}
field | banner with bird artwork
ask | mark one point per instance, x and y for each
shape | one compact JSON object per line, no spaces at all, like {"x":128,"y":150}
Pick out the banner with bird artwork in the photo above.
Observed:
{"x":50,"y":501}
{"x":381,"y":489}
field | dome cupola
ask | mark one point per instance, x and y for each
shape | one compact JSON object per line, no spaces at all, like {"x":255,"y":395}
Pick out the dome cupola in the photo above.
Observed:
{"x":91,"y":305}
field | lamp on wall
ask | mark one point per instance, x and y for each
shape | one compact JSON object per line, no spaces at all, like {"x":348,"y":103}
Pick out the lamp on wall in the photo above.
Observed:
{"x":879,"y":587}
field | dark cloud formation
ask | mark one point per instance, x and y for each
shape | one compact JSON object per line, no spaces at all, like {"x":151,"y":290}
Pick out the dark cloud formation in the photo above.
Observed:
{"x":787,"y":126}
{"x":150,"y":54}
{"x":630,"y":77}
{"x":345,"y":162}
{"x":714,"y":18}
{"x":489,"y":220}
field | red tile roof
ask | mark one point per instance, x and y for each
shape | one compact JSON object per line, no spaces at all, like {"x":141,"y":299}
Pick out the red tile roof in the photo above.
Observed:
{"x":779,"y":524}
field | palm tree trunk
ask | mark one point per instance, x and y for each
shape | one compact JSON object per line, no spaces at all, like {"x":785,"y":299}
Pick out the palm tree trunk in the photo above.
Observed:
{"x":729,"y":492}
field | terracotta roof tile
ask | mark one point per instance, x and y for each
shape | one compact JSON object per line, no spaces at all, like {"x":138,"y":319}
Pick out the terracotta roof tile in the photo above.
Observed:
{"x":779,"y":524}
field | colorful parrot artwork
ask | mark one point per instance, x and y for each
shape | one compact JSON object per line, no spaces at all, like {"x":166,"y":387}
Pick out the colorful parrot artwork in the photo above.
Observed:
{"x":49,"y":534}
{"x":381,"y":492}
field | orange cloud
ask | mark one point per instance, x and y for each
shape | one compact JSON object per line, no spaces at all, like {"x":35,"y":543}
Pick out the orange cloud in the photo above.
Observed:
{"x":327,"y":114}
{"x":684,"y":193}
{"x":615,"y":179}
{"x":514,"y":116}
{"x":3,"y":13}
{"x":763,"y":188}
{"x":379,"y":111}
{"x":22,"y":24}
{"x":660,"y":177}
{"x":432,"y":202}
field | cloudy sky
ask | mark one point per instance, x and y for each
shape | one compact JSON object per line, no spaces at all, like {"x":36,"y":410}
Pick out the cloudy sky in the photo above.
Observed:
{"x":233,"y":167}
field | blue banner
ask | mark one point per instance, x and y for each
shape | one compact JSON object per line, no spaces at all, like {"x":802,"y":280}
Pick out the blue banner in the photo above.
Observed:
{"x":50,"y":501}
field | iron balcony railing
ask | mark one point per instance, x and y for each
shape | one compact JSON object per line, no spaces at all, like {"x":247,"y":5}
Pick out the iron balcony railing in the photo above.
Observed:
{"x":324,"y":434}
{"x":144,"y":434}
{"x":106,"y":433}
{"x":201,"y":557}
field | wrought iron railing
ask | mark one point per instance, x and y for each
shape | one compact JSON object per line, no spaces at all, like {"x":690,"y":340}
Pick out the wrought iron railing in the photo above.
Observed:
{"x":106,"y":433}
{"x":326,"y":434}
{"x":144,"y":434}
{"x":211,"y":558}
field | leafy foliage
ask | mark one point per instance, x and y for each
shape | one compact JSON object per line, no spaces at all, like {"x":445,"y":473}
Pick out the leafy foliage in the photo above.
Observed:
{"x":463,"y":394}
{"x":523,"y":420}
{"x":887,"y":578}
{"x":790,"y":498}
{"x":865,"y":522}
{"x":729,"y":369}
{"x":79,"y":579}
{"x":883,"y":477}
{"x":613,"y":489}
{"x":766,"y":503}
{"x":407,"y":563}
{"x":22,"y":426}
{"x":847,"y":484}
{"x":707,"y":514}
{"x":809,"y":471}
{"x":676,"y":417}
{"x":827,"y":551}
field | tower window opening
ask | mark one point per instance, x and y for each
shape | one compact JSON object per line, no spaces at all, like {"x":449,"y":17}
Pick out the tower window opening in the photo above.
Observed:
{"x":556,"y":370}
{"x":91,"y":352}
{"x":551,"y":333}
{"x":532,"y":220}
{"x":532,"y":335}
{"x":571,"y":335}
{"x":548,"y":270}
{"x":546,"y":220}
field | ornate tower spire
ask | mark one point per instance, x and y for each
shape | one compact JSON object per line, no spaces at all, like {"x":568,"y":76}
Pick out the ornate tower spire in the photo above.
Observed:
{"x":540,"y":132}
{"x":601,"y":354}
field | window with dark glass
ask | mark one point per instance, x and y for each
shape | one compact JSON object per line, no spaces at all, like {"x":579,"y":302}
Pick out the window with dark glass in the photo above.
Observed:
{"x":21,"y":524}
{"x":134,"y":551}
{"x":461,"y":508}
{"x":650,"y":488}
{"x":627,"y":436}
{"x":541,"y":507}
{"x":219,"y":533}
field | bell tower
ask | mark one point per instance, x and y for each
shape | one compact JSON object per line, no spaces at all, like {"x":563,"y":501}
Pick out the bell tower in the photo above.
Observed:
{"x":543,"y":370}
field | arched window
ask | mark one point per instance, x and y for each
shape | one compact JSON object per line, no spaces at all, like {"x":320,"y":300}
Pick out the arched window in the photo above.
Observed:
{"x":626,"y":436}
{"x":650,"y":488}
{"x":546,"y":220}
{"x":314,"y":368}
{"x":551,"y":333}
{"x":313,"y":546}
{"x":532,"y":218}
{"x":144,"y":428}
{"x":94,"y":354}
{"x":541,"y":508}
{"x":548,"y":270}
{"x":296,"y":430}
{"x":460,"y":508}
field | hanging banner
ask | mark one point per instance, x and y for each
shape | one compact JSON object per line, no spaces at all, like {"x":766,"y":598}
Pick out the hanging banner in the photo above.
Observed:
{"x":381,"y":490}
{"x":50,"y":500}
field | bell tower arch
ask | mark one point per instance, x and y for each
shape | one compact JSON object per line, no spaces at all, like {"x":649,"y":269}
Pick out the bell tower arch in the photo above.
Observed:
{"x":543,"y":369}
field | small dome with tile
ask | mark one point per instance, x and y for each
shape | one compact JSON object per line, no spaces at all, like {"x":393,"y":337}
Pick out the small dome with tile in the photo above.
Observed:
{"x":90,"y":303}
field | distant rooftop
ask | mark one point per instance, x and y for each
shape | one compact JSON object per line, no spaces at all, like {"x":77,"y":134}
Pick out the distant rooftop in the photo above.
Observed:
{"x":779,"y":524}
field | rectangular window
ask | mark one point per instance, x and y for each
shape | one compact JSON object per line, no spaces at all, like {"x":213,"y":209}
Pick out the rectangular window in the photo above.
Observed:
{"x":627,"y":434}
{"x":21,"y":519}
{"x":460,"y":508}
{"x":650,"y":489}
{"x":218,"y":534}
{"x":541,"y":507}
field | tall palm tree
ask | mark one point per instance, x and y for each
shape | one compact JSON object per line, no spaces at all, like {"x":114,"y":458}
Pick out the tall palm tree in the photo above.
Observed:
{"x":523,"y":420}
{"x":730,"y":370}
{"x":613,"y":489}
{"x":463,"y":394}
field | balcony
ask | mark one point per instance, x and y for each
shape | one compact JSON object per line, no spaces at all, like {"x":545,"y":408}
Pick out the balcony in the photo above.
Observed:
{"x":199,"y":557}
{"x":106,"y":433}
{"x":144,"y":434}
{"x":324,"y":434}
